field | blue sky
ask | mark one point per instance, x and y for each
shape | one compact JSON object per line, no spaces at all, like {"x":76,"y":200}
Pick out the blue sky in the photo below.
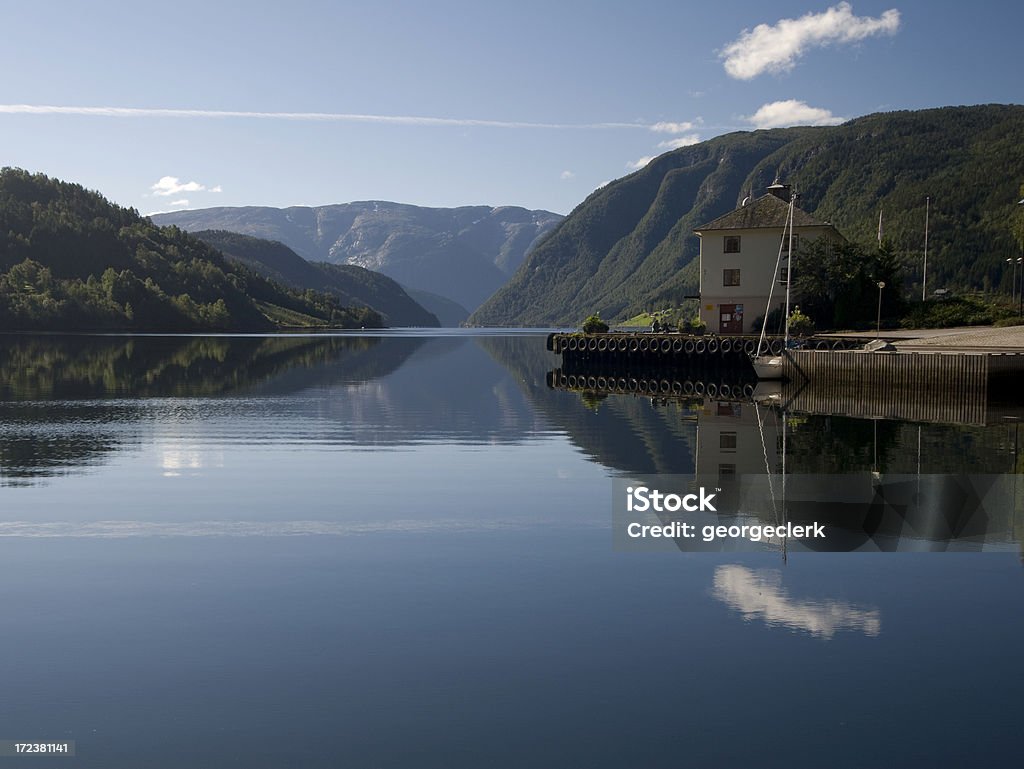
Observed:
{"x":173,"y":105}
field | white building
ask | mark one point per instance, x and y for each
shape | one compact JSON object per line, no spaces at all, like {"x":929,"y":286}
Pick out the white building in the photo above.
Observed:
{"x":738,"y":253}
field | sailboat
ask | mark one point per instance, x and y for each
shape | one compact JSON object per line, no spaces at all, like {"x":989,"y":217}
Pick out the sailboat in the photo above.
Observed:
{"x":768,"y":366}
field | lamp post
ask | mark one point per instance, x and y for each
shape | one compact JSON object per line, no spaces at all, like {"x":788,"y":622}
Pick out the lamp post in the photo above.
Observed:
{"x":924,"y":271}
{"x":1020,"y":294}
{"x":1013,"y":279}
{"x":878,"y":323}
{"x":1020,"y":301}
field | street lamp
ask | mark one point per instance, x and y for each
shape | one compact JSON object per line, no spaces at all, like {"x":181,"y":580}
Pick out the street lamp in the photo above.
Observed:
{"x":1013,"y":279}
{"x":1020,"y":305}
{"x":878,"y":323}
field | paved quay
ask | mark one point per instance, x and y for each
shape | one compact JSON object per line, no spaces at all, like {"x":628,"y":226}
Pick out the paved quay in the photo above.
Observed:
{"x":964,"y":339}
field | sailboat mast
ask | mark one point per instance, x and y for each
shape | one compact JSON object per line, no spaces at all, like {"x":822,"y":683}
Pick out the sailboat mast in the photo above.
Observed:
{"x":789,"y":259}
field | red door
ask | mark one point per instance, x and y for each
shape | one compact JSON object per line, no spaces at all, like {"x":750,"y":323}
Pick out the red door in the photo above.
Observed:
{"x":730,"y":319}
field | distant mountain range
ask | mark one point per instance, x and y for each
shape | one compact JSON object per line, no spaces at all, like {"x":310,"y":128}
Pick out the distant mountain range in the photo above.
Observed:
{"x":630,"y":246}
{"x":351,"y":285}
{"x":462,"y":254}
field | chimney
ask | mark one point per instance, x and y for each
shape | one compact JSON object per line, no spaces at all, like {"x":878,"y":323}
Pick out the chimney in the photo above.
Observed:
{"x":780,"y":190}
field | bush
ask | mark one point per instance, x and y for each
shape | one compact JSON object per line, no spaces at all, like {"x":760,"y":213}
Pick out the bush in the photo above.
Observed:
{"x":955,"y":311}
{"x":594,"y":325}
{"x":800,"y":324}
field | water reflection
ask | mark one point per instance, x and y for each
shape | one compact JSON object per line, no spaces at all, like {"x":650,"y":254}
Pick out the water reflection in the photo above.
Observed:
{"x":257,"y":422}
{"x":759,"y":595}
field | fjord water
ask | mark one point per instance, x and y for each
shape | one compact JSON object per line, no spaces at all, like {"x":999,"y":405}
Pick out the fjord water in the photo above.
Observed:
{"x":395,"y":550}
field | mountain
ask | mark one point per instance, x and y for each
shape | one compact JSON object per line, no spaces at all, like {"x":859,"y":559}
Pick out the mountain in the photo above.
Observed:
{"x":630,"y":246}
{"x":351,"y":285}
{"x":464,"y":254}
{"x":70,"y":259}
{"x":448,"y":311}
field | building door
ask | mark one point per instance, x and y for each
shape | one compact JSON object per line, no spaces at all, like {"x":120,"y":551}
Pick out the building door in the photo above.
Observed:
{"x":730,"y":319}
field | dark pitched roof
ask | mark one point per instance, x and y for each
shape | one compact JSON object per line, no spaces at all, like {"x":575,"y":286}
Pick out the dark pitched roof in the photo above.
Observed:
{"x":767,"y":211}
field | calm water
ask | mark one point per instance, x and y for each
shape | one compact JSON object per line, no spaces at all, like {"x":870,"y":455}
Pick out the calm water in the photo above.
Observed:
{"x":396,"y":550}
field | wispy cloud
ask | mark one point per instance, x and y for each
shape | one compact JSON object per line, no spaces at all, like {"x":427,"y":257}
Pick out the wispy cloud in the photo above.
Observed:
{"x":216,"y":189}
{"x":775,"y":48}
{"x":183,"y":203}
{"x":675,"y":128}
{"x":636,"y":165}
{"x":338,"y":117}
{"x":172,"y":185}
{"x":566,"y":176}
{"x":779,"y":114}
{"x":680,"y":141}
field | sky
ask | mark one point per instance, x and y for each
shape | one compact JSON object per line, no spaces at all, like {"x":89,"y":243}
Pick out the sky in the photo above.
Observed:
{"x":176,"y":105}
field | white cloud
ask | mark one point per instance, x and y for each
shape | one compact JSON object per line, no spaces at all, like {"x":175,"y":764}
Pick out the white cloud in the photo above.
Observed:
{"x":779,"y":114}
{"x":183,"y":203}
{"x":216,"y":189}
{"x":675,"y":128}
{"x":775,"y":48}
{"x":680,"y":141}
{"x":636,"y":165}
{"x":567,"y":175}
{"x":172,"y":185}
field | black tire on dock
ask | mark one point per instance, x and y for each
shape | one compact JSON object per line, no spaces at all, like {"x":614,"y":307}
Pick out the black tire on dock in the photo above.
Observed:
{"x":665,"y":387}
{"x":602,"y":345}
{"x":592,"y":382}
{"x":748,"y":390}
{"x":666,"y":346}
{"x":821,"y":344}
{"x":687,"y":387}
{"x":677,"y":387}
{"x":688,"y":347}
{"x":632,"y":385}
{"x":776,"y":347}
{"x":838,"y":345}
{"x":634,"y":344}
{"x":700,"y":346}
{"x":726,"y":346}
{"x":677,"y":346}
{"x":622,"y":345}
{"x":713,"y":346}
{"x":645,"y":344}
{"x":698,"y":387}
{"x":712,"y":390}
{"x":750,"y":347}
{"x":620,"y":383}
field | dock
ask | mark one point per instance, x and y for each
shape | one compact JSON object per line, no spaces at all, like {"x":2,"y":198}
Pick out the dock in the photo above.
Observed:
{"x":961,"y":376}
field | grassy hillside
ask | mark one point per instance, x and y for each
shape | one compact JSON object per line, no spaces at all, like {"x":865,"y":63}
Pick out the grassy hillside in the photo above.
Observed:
{"x":630,"y":246}
{"x":71,"y":260}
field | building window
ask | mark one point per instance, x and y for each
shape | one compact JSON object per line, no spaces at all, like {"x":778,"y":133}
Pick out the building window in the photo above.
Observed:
{"x":727,"y":441}
{"x":730,"y":277}
{"x":796,"y":242}
{"x":726,"y":470}
{"x":784,"y":275}
{"x":732,"y":244}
